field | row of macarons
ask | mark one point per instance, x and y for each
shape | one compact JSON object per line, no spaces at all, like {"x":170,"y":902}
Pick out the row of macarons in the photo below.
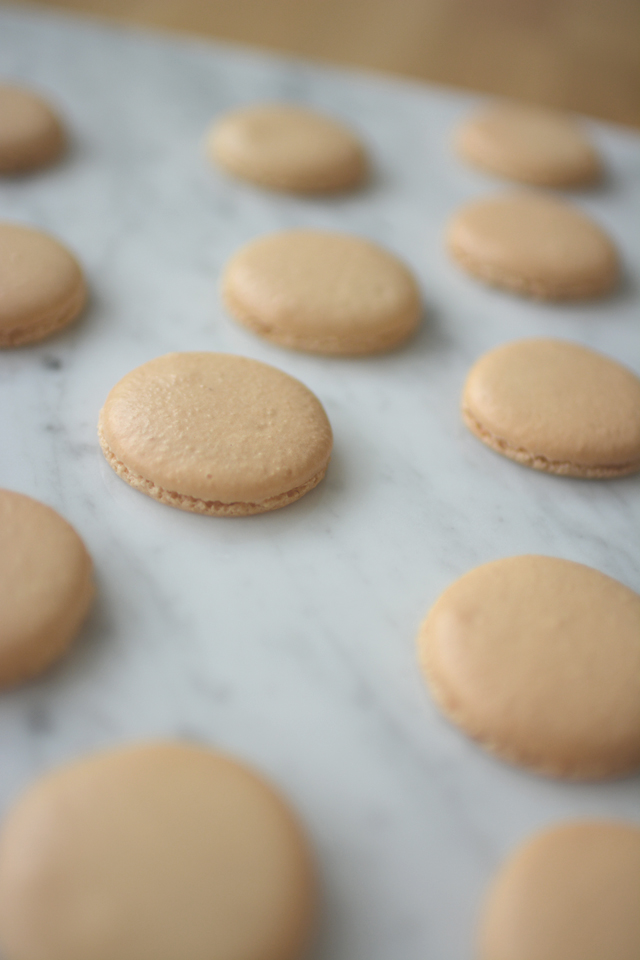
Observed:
{"x":537,"y":658}
{"x":331,"y":293}
{"x":543,"y":460}
{"x":287,"y":147}
{"x":321,"y":291}
{"x":167,"y":850}
{"x":530,"y":243}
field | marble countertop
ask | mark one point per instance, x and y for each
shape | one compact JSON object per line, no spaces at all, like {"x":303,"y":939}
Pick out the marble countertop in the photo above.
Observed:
{"x":288,"y":638}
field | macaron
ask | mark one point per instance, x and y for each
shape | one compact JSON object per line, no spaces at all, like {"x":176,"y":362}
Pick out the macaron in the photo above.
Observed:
{"x":530,"y":144}
{"x":570,"y":892}
{"x":533,"y":245}
{"x":160,"y":851}
{"x":42,"y":287}
{"x":287,"y":148}
{"x":557,"y":407}
{"x":214,"y":433}
{"x":322,"y":292}
{"x":46,"y":586}
{"x":31,"y":133}
{"x":538,"y":659}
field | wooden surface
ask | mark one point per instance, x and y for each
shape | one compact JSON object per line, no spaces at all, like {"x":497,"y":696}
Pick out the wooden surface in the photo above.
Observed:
{"x":579,"y":54}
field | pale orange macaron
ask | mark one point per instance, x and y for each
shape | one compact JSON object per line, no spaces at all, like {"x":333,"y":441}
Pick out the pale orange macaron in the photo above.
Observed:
{"x":160,"y":851}
{"x":556,"y":406}
{"x":42,"y":286}
{"x":530,"y":144}
{"x":538,"y":659}
{"x":534,"y":245}
{"x":46,"y":586}
{"x":215,"y":433}
{"x":570,"y":892}
{"x":322,"y":292}
{"x":31,"y":133}
{"x":288,"y":148}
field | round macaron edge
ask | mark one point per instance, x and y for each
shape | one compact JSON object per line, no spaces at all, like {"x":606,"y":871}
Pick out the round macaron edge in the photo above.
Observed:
{"x":452,"y":706}
{"x":515,"y":873}
{"x":349,"y":172}
{"x":537,"y":460}
{"x":523,"y":282}
{"x":288,"y":932}
{"x":40,"y":151}
{"x":191,"y":503}
{"x":55,"y":316}
{"x":25,"y":660}
{"x":398,"y":327}
{"x":554,"y":173}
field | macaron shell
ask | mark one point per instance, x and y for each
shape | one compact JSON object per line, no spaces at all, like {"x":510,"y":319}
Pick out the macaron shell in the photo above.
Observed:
{"x":46,"y":586}
{"x":322,"y":292}
{"x":287,"y":148}
{"x":569,"y":893}
{"x":534,"y":245}
{"x":556,"y":406}
{"x":42,"y":287}
{"x":529,"y":144}
{"x":539,"y":659}
{"x":231,"y":434}
{"x":154,"y":852}
{"x":31,"y":134}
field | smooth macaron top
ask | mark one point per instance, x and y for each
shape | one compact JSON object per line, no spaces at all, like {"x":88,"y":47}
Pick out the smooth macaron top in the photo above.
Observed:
{"x":534,"y":245}
{"x":46,"y":586}
{"x":538,"y":658}
{"x":42,"y":286}
{"x":529,"y":144}
{"x":563,"y":405}
{"x":322,"y":291}
{"x":216,"y":427}
{"x":569,"y":893}
{"x":161,"y":851}
{"x":31,"y":134}
{"x":287,"y":148}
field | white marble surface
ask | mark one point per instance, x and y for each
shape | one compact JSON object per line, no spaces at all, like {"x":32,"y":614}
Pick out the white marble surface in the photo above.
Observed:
{"x":289,"y":638}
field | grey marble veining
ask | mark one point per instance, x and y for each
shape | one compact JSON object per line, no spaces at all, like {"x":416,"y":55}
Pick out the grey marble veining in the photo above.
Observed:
{"x":288,"y":638}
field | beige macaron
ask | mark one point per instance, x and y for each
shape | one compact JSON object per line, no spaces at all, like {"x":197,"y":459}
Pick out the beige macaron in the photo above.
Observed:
{"x":571,"y":892}
{"x":46,"y":586}
{"x":539,"y":660}
{"x":215,"y":433}
{"x":322,"y":292}
{"x":31,"y":134}
{"x":556,"y":406}
{"x":529,"y":144}
{"x":534,"y":245}
{"x":287,"y":148}
{"x":155,"y":852}
{"x":42,"y":287}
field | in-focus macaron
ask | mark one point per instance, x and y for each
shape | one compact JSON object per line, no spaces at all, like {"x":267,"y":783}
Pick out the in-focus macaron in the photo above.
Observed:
{"x":31,"y":133}
{"x":214,"y":433}
{"x":556,"y":406}
{"x":46,"y":586}
{"x":529,"y":144}
{"x":534,"y":245}
{"x":570,"y":892}
{"x":538,"y":659}
{"x":160,"y":851}
{"x":322,"y":292}
{"x":42,"y":287}
{"x":289,"y":148}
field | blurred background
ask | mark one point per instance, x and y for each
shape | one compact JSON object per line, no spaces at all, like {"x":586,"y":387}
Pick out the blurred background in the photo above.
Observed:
{"x":580,"y":54}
